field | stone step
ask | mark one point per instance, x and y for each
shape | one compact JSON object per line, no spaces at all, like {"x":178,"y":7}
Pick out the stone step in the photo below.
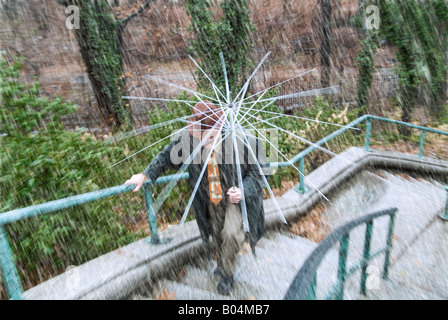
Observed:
{"x":403,"y":179}
{"x":426,"y":183}
{"x":246,"y":286}
{"x":407,"y":181}
{"x":278,"y":258}
{"x":172,"y":290}
{"x":437,"y":183}
{"x":200,"y":278}
{"x":423,"y":264}
{"x":286,"y":238}
{"x":269,"y":273}
{"x":390,"y":290}
{"x":396,"y":178}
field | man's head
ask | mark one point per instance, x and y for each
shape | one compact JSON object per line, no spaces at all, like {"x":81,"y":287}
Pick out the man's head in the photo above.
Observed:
{"x":205,"y":116}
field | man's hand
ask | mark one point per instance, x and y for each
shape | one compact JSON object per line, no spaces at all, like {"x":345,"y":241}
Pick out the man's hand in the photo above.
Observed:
{"x":138,"y":180}
{"x":235,"y":195}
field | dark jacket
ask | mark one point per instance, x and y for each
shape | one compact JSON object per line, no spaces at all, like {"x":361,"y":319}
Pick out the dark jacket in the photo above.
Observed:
{"x":176,"y":153}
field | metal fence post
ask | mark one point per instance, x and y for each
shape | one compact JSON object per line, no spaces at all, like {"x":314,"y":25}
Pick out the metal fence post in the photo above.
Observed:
{"x":8,"y":267}
{"x":421,"y":144}
{"x":154,"y":238}
{"x":444,"y":216}
{"x":388,"y":247}
{"x":302,"y":187}
{"x":342,"y":267}
{"x":366,"y":256}
{"x":368,"y":134}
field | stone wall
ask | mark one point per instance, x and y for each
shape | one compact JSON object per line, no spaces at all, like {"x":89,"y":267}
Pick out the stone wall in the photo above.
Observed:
{"x":36,"y":31}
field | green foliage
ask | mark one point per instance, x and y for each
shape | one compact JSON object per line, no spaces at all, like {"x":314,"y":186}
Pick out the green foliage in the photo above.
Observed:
{"x":419,"y":31}
{"x":443,"y":115}
{"x":40,"y":162}
{"x":22,"y":110}
{"x":312,"y":124}
{"x":38,"y":156}
{"x":366,"y":67}
{"x":231,"y":36}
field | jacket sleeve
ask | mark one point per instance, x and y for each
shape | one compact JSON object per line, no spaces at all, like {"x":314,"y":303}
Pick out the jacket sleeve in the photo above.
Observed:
{"x":254,"y":182}
{"x":164,"y":160}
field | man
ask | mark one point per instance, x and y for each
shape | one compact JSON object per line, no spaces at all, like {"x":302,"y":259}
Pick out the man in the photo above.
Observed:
{"x":217,"y":202}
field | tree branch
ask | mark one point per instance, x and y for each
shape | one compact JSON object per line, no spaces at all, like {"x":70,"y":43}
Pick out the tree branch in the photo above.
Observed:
{"x":134,"y":14}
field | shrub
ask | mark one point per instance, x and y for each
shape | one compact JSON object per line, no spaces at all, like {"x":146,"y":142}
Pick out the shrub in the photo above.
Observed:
{"x":40,"y":161}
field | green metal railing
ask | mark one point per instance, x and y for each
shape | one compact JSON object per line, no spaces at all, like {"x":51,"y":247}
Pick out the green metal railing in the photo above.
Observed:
{"x":304,"y":285}
{"x":7,"y":262}
{"x":444,"y":216}
{"x":368,"y":132}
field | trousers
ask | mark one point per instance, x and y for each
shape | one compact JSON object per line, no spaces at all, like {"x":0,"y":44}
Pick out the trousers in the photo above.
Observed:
{"x":227,"y":234}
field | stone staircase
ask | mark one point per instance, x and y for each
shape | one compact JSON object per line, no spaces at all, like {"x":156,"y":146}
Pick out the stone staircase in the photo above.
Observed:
{"x":278,"y":258}
{"x":418,"y":257}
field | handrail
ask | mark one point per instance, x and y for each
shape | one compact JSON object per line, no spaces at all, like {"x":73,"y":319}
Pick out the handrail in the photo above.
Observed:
{"x":7,"y":264}
{"x":444,"y":216}
{"x":55,"y":205}
{"x":304,"y":284}
{"x":27,"y":212}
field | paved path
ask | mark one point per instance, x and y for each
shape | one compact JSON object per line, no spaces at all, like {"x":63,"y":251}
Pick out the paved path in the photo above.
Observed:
{"x":419,"y":252}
